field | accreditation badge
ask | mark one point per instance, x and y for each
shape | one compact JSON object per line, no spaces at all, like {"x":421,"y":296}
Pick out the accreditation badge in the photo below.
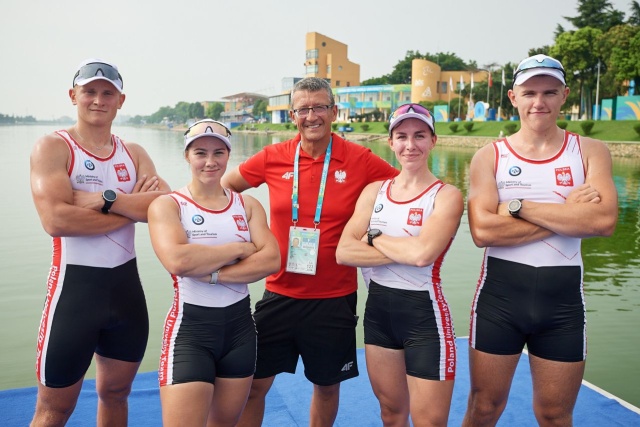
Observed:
{"x":302,"y":256}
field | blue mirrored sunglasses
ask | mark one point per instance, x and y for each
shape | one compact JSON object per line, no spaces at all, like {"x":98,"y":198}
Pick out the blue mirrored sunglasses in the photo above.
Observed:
{"x":94,"y":69}
{"x":536,"y":62}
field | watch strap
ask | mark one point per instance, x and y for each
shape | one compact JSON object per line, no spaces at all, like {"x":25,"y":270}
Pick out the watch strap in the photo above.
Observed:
{"x":214,"y":277}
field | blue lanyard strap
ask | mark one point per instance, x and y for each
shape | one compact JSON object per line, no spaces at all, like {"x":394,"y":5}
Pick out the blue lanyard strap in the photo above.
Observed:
{"x":323,"y":183}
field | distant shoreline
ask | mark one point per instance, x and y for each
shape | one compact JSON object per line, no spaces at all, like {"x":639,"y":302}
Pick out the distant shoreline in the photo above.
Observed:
{"x":618,"y":149}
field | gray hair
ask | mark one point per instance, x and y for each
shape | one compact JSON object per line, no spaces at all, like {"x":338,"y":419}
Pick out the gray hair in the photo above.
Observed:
{"x":313,"y":84}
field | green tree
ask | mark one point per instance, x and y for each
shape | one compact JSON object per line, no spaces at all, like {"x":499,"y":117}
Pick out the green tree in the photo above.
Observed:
{"x":598,"y":14}
{"x":401,"y":73}
{"x":621,"y":51}
{"x":634,"y":18}
{"x":260,"y":108}
{"x":214,"y":110}
{"x":181,"y":112}
{"x":447,"y":61}
{"x":163,"y":113}
{"x":374,"y":81}
{"x":196,"y":110}
{"x":577,"y":50}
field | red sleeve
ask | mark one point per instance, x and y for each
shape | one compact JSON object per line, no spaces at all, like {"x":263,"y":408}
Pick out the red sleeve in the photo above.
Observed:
{"x":253,"y":169}
{"x":379,"y":169}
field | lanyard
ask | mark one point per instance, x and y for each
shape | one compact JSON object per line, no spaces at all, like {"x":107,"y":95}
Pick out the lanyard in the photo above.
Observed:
{"x":323,"y":184}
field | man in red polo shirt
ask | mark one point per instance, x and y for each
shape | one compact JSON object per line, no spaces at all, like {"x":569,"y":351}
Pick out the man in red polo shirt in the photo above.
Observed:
{"x":309,"y":306}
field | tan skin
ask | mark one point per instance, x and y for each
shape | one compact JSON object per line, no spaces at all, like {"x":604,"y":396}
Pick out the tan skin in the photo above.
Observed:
{"x":65,"y":212}
{"x":589,"y":210}
{"x":401,"y":396}
{"x":316,"y":133}
{"x":200,"y":403}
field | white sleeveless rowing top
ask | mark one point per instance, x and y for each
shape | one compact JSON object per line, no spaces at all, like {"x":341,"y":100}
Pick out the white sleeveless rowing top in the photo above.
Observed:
{"x":207,"y":227}
{"x":89,"y":172}
{"x":405,"y":219}
{"x":546,"y":181}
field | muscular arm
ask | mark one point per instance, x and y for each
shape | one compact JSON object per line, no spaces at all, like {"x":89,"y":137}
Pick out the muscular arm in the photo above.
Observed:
{"x":180,"y":257}
{"x":435,"y":235}
{"x":54,"y":197}
{"x":266,"y":259}
{"x":353,"y":248}
{"x":233,"y":180}
{"x":134,"y":205}
{"x":488,"y":227}
{"x":421,"y":250}
{"x":591,"y":209}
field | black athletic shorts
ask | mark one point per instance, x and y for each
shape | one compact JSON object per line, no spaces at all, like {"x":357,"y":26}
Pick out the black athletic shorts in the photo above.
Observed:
{"x":101,"y":310}
{"x":406,"y":320}
{"x":542,"y":307}
{"x":321,"y":331}
{"x":210,"y":342}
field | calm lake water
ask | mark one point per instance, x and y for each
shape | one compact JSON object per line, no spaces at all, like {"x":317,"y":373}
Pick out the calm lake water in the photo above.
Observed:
{"x":612,"y":275}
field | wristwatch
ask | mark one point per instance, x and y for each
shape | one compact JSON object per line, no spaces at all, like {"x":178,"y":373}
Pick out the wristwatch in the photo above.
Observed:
{"x":514,"y":207}
{"x":109,"y":196}
{"x":372,"y":234}
{"x":214,"y":277}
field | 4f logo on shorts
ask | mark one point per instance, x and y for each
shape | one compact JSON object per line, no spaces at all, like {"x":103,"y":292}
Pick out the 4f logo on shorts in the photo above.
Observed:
{"x":415,"y":216}
{"x":564,"y":177}
{"x":347,"y":366}
{"x":240,"y":223}
{"x":122,"y":172}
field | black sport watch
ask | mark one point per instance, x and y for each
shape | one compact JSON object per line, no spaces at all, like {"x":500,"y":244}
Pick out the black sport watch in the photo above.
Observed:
{"x":514,"y":207}
{"x":372,"y":234}
{"x":109,"y":196}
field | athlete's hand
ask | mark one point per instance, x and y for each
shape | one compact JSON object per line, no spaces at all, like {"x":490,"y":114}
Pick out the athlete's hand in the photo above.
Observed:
{"x":584,"y":193}
{"x":145,"y":184}
{"x":248,"y":249}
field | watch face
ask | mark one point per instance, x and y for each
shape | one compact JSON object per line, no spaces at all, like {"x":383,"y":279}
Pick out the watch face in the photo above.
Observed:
{"x":374,"y":232}
{"x":109,"y":195}
{"x":514,"y":205}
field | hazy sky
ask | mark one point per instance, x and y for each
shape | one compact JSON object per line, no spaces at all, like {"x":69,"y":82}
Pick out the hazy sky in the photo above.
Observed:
{"x":196,"y":50}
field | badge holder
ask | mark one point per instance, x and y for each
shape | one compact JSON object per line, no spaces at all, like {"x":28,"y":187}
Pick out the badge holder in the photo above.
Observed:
{"x":302,"y":255}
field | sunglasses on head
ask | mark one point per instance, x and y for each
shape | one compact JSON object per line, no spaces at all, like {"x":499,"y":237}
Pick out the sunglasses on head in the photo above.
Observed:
{"x":95,"y":69}
{"x":207,"y":126}
{"x":408,"y":108}
{"x":539,"y":62}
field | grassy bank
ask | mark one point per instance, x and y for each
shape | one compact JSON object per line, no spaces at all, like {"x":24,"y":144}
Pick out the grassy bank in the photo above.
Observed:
{"x":619,"y":131}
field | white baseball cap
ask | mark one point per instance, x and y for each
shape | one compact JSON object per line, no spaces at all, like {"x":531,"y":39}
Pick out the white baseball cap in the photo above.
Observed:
{"x":97,"y":69}
{"x":207,"y":127}
{"x":538,"y":65}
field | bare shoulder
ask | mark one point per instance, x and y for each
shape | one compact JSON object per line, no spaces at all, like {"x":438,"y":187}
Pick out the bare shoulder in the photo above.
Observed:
{"x":252,"y":205}
{"x":51,"y":147}
{"x":49,"y":141}
{"x":451,"y":196}
{"x":484,"y":157}
{"x":593,"y":147}
{"x":450,"y":190}
{"x":484,"y":152}
{"x":372,"y":188}
{"x":163,"y":203}
{"x":134,"y":148}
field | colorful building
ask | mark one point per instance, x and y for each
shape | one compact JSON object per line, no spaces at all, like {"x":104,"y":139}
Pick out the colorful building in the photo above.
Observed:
{"x":327,"y":58}
{"x":238,"y":108}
